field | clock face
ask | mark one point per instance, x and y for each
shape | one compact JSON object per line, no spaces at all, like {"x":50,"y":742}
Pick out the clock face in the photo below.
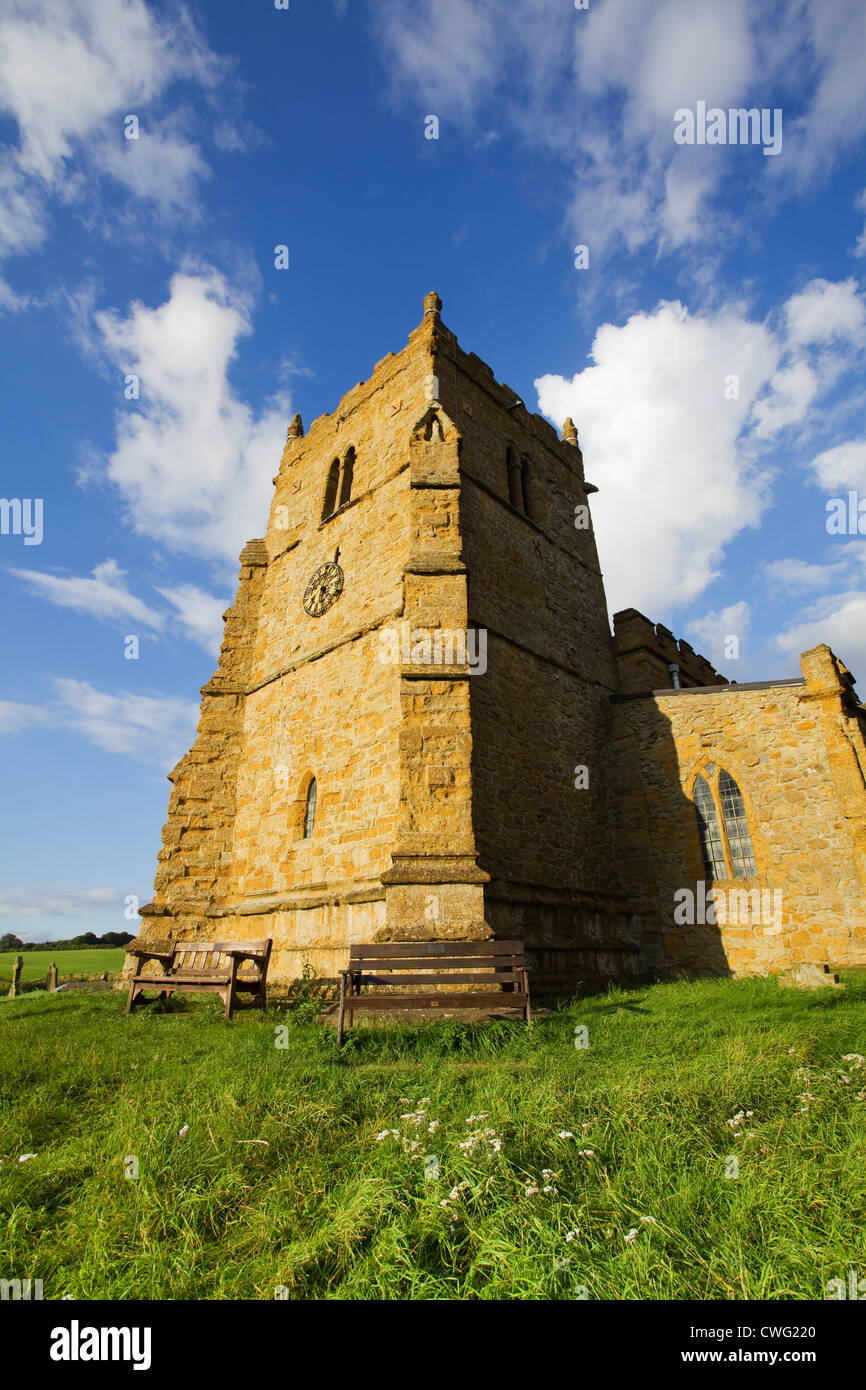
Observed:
{"x":324,"y":588}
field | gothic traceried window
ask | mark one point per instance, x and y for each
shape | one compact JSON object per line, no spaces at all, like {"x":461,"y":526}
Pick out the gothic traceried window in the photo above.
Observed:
{"x":708,"y":828}
{"x":736,"y":827}
{"x":310,"y":809}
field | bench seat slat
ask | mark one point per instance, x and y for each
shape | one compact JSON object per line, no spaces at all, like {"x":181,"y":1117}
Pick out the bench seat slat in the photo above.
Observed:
{"x":467,"y":1000}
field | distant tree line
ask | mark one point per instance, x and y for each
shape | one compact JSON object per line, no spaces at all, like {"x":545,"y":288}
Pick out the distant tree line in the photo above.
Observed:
{"x":110,"y":938}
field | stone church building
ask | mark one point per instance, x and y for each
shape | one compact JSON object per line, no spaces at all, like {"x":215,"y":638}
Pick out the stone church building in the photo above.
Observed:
{"x":421,"y":726}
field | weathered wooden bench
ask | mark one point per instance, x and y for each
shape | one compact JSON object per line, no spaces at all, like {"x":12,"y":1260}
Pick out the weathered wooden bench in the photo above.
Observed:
{"x":406,"y":974}
{"x":227,"y":968}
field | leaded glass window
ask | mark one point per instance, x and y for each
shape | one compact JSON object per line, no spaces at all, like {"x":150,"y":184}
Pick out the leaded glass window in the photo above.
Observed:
{"x":736,"y":827}
{"x":708,"y":828}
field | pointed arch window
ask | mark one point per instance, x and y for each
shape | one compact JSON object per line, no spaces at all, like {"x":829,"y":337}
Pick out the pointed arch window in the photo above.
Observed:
{"x":329,"y":506}
{"x":512,"y":467}
{"x":526,"y":488}
{"x":310,"y":809}
{"x":726,"y":842}
{"x":708,"y":829}
{"x":736,"y":827}
{"x":338,"y":488}
{"x":348,"y":475}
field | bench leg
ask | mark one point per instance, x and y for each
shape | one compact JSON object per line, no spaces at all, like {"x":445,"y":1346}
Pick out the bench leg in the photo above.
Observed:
{"x":342,"y":1009}
{"x":228,"y":996}
{"x":526,"y":992}
{"x":130,"y":998}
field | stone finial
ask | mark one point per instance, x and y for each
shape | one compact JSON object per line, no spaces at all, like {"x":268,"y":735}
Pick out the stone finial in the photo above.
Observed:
{"x":296,"y":428}
{"x":432,"y":303}
{"x":569,"y":433}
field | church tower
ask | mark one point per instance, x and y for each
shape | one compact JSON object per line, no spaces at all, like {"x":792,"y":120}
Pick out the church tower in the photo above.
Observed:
{"x":405,"y":737}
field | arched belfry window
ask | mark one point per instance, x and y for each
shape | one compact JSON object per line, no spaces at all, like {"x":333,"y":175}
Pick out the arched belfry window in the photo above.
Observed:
{"x":348,"y":475}
{"x":526,"y":488}
{"x":338,"y":488}
{"x":330,"y":503}
{"x":726,"y":843}
{"x":310,"y":809}
{"x":708,"y":829}
{"x":736,"y":826}
{"x":513,"y":469}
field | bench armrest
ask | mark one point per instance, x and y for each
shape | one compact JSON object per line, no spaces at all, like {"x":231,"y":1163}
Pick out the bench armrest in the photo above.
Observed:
{"x":239,"y":953}
{"x":141,"y":954}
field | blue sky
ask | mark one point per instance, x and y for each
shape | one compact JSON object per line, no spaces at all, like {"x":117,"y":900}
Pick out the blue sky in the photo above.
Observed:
{"x":710,"y":352}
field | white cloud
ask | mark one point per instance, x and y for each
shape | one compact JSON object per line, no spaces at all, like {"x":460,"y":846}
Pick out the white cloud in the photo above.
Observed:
{"x":69,"y":75}
{"x":836,"y":112}
{"x":448,"y":50}
{"x":837,"y":619}
{"x":860,"y":204}
{"x":15,"y":718}
{"x":193,"y":462}
{"x":599,"y":88}
{"x":675,"y":484}
{"x":790,"y":392}
{"x":45,"y":902}
{"x":826,"y":311}
{"x":800,"y":576}
{"x":199,"y":614}
{"x":679,"y":469}
{"x":711,"y":636}
{"x":152,"y":728}
{"x":104,"y":596}
{"x":843,"y":466}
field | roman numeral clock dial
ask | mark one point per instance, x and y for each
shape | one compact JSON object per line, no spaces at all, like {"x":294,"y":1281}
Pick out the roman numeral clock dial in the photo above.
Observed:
{"x":323,"y":589}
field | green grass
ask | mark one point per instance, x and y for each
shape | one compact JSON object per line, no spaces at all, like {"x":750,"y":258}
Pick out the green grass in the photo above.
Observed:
{"x":280,"y":1179}
{"x":69,"y":963}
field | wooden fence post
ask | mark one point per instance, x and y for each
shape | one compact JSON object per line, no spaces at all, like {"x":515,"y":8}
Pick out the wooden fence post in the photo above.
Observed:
{"x":15,"y":990}
{"x":51,"y":982}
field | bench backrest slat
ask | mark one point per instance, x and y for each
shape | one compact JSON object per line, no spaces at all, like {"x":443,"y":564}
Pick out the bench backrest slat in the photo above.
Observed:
{"x":432,"y":949}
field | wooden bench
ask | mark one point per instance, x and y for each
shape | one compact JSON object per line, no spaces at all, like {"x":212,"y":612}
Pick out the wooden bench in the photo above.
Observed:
{"x":204,"y":967}
{"x":402,"y":975}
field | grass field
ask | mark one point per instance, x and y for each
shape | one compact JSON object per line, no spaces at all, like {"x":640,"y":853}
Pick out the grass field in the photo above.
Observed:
{"x":441,"y":1161}
{"x":69,"y":963}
